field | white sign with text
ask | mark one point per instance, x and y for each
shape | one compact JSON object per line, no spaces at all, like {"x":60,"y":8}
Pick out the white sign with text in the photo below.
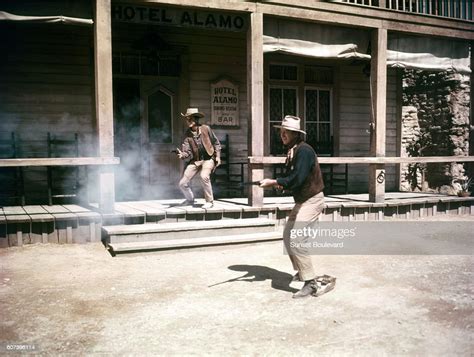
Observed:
{"x":224,"y":103}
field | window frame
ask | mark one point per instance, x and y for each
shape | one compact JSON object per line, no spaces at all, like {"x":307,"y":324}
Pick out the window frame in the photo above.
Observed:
{"x":273,"y":63}
{"x":269,"y":121}
{"x":331,"y":115}
{"x":171,"y":95}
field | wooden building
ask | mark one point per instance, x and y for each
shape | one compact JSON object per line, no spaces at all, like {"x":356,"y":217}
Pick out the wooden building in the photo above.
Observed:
{"x":119,"y":73}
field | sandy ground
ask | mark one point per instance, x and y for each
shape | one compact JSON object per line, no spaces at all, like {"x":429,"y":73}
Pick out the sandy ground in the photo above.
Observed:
{"x":79,"y":300}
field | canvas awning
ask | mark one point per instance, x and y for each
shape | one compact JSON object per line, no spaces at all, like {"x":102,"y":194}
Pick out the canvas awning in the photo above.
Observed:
{"x":327,"y":41}
{"x":314,"y":40}
{"x":428,"y":53}
{"x":5,"y":16}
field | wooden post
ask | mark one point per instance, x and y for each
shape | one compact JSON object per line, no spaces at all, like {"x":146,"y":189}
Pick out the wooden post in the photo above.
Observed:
{"x":399,"y":129}
{"x":104,"y":101}
{"x":470,"y":165}
{"x":255,"y":102}
{"x":378,"y":83}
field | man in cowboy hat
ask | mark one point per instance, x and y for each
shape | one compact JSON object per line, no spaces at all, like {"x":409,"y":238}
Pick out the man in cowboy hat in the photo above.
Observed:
{"x":203,"y":148}
{"x":304,"y":179}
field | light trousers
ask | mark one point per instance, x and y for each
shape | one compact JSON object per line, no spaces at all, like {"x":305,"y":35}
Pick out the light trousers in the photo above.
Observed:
{"x":302,"y":215}
{"x":204,"y":167}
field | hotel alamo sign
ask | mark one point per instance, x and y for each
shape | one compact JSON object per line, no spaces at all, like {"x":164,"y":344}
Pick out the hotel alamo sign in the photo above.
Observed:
{"x":169,"y":16}
{"x":224,"y":103}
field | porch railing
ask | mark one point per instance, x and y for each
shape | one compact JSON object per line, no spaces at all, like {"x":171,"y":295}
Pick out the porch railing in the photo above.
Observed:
{"x":457,"y":9}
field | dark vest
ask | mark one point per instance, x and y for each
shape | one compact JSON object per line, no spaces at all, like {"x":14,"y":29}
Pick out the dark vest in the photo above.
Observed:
{"x":206,"y":142}
{"x":313,"y":184}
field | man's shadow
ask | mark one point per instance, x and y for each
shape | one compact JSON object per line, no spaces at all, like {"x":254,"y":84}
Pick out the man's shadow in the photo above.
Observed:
{"x":279,"y":280}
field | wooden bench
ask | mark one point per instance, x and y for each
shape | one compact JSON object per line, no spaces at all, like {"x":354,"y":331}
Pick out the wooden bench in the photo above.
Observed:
{"x":336,"y":178}
{"x":44,"y":169}
{"x":58,"y":161}
{"x":12,"y":187}
{"x":63,"y":182}
{"x":228,"y":177}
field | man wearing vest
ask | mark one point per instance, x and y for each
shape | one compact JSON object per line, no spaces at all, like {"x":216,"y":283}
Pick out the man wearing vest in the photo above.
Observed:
{"x":203,"y":149}
{"x":304,"y":179}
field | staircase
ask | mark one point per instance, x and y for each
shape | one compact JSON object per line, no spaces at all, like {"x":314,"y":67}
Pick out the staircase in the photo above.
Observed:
{"x":154,"y":236}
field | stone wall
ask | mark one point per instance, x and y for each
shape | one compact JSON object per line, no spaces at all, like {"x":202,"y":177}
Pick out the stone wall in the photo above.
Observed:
{"x":435,"y":122}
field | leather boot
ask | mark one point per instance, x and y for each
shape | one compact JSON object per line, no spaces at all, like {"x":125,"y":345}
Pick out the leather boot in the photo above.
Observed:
{"x":309,"y":288}
{"x":296,"y":277}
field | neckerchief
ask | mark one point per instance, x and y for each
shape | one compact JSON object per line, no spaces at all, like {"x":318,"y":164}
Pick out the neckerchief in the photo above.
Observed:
{"x":290,"y":154}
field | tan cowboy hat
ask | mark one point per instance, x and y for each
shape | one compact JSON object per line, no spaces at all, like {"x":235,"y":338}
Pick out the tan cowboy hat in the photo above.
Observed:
{"x":193,"y":112}
{"x":292,"y":123}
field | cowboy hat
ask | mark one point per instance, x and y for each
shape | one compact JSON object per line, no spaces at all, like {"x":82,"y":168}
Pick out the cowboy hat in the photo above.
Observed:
{"x":192,"y":112}
{"x":292,"y":123}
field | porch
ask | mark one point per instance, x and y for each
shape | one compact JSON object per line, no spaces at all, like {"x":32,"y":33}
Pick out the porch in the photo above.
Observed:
{"x":240,"y":222}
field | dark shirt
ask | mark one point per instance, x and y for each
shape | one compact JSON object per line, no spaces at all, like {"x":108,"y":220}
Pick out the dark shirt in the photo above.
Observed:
{"x":303,"y":174}
{"x":304,"y":161}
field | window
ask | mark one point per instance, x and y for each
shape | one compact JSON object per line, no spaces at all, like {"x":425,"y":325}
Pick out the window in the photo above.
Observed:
{"x":318,"y":120}
{"x":283,"y":72}
{"x":139,"y":63}
{"x":160,"y":104}
{"x":318,"y":75}
{"x":282,"y":101}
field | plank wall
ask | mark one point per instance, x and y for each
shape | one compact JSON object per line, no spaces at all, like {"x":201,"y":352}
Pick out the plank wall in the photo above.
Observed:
{"x":46,"y":85}
{"x":207,"y":55}
{"x":354,"y":118}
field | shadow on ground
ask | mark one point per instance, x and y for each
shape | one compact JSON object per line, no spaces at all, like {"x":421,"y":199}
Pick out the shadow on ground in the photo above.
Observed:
{"x":279,"y":280}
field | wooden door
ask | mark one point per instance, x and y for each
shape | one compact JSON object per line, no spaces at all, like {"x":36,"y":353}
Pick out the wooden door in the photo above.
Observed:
{"x":162,"y":131}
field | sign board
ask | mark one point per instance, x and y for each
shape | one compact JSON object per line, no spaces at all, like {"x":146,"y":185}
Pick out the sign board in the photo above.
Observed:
{"x":224,"y":103}
{"x":168,"y":16}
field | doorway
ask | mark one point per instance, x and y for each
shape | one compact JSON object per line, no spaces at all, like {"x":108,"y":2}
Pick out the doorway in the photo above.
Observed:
{"x":161,"y":128}
{"x":147,"y":127}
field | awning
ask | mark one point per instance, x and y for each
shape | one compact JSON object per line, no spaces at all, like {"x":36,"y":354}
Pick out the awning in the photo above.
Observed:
{"x":5,"y":16}
{"x":428,"y":53}
{"x":314,"y":40}
{"x":327,"y":41}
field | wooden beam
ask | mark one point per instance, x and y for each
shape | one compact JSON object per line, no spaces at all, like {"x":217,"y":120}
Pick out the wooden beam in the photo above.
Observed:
{"x":370,"y":17}
{"x":222,"y":5}
{"x":378,"y":84}
{"x":321,"y":15}
{"x":60,"y":161}
{"x":339,"y":14}
{"x":104,"y":100}
{"x":255,"y":102}
{"x":277,"y":160}
{"x":423,"y":29}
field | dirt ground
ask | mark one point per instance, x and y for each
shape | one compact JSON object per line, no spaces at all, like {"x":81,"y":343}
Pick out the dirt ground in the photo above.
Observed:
{"x":79,"y":300}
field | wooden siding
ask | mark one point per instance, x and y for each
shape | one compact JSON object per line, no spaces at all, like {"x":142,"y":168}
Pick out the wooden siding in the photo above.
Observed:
{"x":209,"y":54}
{"x":46,"y":84}
{"x":213,"y":54}
{"x":354,"y":118}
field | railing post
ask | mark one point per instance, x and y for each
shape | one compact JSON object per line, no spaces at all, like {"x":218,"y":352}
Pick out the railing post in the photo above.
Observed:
{"x":378,"y":83}
{"x":104,"y":101}
{"x":255,"y":102}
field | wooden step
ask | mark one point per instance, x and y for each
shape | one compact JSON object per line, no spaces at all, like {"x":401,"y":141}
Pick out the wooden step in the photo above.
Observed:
{"x":188,"y":229}
{"x":195,"y":242}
